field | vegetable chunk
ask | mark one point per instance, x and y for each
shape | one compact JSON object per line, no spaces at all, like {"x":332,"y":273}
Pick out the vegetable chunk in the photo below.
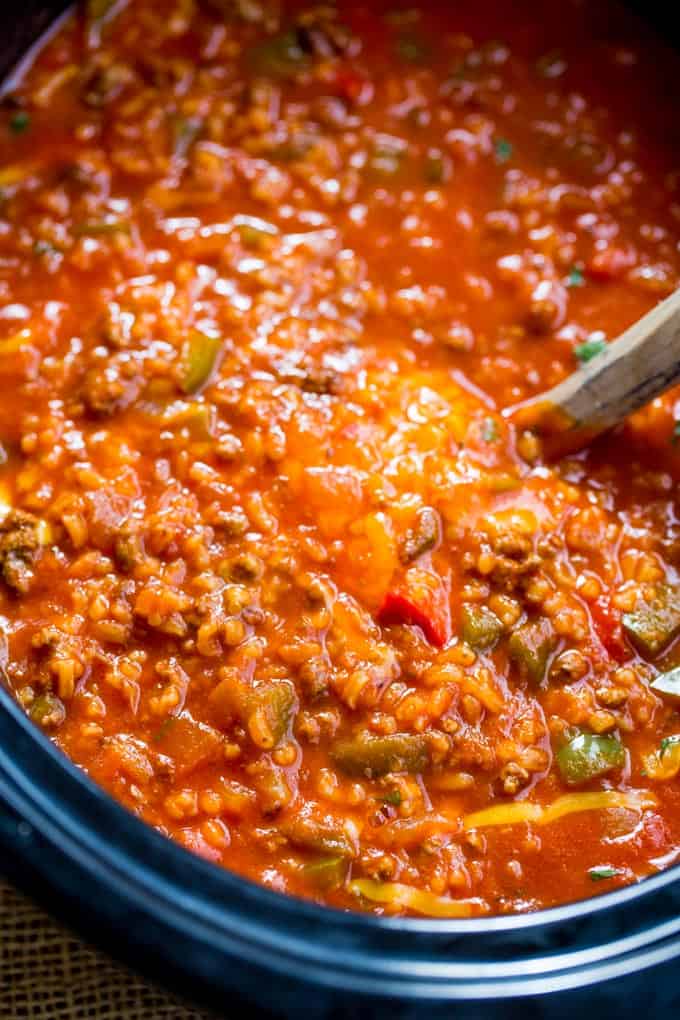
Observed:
{"x":369,"y":755}
{"x":481,"y":627}
{"x":530,"y":649}
{"x":190,"y":744}
{"x":421,"y":600}
{"x":655,"y":621}
{"x":588,"y":756}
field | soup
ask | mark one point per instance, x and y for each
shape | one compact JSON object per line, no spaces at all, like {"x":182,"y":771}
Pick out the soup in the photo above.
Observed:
{"x":276,"y":570}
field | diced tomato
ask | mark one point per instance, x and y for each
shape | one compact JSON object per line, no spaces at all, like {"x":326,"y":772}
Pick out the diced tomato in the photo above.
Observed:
{"x":353,"y":86}
{"x":607,"y":622}
{"x":189,"y":743}
{"x":422,"y":600}
{"x":611,"y":263}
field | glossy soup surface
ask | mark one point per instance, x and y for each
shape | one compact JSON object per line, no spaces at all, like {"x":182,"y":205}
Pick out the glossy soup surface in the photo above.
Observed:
{"x":275,"y":571}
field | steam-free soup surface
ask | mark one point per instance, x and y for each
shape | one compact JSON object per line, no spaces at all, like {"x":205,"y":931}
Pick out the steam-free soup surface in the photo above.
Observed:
{"x":275,"y":570}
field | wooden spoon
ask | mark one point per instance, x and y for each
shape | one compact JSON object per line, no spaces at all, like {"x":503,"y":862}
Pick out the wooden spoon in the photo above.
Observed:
{"x":640,"y":365}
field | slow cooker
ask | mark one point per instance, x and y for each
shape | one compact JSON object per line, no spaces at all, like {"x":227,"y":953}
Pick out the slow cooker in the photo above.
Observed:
{"x":223,"y":941}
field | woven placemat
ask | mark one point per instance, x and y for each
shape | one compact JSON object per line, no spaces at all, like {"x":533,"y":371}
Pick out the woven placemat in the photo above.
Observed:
{"x":47,"y":973}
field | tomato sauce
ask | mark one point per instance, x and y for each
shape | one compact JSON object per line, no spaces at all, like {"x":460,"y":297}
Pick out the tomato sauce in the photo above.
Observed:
{"x":275,"y":569}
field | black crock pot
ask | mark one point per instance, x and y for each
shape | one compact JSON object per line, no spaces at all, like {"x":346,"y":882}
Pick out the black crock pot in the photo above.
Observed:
{"x":221,"y":940}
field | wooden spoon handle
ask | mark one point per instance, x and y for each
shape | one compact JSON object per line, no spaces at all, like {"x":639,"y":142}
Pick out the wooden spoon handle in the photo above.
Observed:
{"x":641,"y":364}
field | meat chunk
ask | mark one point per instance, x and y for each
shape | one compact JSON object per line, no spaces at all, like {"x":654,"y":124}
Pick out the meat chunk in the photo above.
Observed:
{"x":506,"y":550}
{"x":111,"y":387}
{"x":19,"y":546}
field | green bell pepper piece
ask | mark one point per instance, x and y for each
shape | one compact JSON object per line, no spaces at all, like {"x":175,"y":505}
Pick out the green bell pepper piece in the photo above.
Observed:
{"x":588,"y":756}
{"x":200,"y":356}
{"x":321,"y":835}
{"x":655,"y":620}
{"x":327,"y":872}
{"x":369,"y":755}
{"x":481,"y":628}
{"x":279,"y":56}
{"x":47,"y":710}
{"x":530,"y":647}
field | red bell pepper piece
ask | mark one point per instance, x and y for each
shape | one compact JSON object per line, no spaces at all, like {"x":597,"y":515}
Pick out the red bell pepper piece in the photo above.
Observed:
{"x":607,"y":621}
{"x":422,"y":600}
{"x":353,"y":86}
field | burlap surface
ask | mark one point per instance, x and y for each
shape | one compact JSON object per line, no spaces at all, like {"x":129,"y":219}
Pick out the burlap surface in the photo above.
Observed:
{"x":46,"y":973}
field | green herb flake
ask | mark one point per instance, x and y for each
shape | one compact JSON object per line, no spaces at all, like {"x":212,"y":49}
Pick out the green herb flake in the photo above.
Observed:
{"x":280,"y":56}
{"x":42,"y":247}
{"x":669,"y":742}
{"x":20,"y":122}
{"x":503,"y":150}
{"x":392,"y":797}
{"x":590,"y":349}
{"x":599,"y":874}
{"x":489,"y":430}
{"x":185,"y":131}
{"x":412,"y":49}
{"x":575,"y":278}
{"x":162,"y":731}
{"x":437,"y":167}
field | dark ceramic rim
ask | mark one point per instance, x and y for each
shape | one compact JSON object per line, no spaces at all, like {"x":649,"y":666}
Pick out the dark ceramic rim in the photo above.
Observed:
{"x":112,"y":866}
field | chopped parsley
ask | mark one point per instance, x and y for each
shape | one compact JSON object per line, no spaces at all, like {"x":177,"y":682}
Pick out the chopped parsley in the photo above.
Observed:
{"x":185,"y":131}
{"x":590,"y":349}
{"x":437,"y":167}
{"x":668,"y":742}
{"x":598,"y":874}
{"x":412,"y":49}
{"x":575,"y":278}
{"x":42,"y":247}
{"x":20,"y":122}
{"x":504,"y":150}
{"x":392,"y":797}
{"x":162,"y":731}
{"x":280,"y":56}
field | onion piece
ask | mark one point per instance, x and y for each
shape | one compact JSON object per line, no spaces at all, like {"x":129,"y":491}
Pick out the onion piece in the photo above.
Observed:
{"x":396,"y":894}
{"x":571,"y":803}
{"x":668,"y":683}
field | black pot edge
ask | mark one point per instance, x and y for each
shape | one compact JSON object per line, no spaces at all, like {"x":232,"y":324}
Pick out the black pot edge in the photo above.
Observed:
{"x":208,"y":932}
